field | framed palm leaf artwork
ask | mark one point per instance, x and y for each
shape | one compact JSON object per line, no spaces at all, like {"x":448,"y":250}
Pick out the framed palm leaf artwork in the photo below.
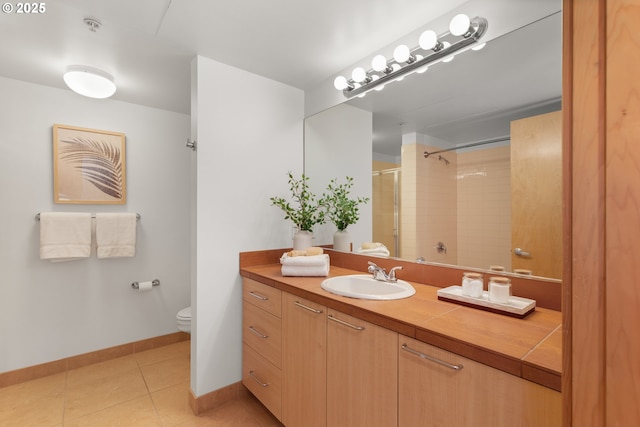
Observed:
{"x":88,"y":166}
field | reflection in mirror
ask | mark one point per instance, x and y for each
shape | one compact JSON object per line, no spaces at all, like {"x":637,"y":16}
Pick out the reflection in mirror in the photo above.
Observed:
{"x":469,"y":206}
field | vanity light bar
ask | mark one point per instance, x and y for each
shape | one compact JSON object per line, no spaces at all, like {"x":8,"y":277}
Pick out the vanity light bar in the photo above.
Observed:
{"x":414,"y":61}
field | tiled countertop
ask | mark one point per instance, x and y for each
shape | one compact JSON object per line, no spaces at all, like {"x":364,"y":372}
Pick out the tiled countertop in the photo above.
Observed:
{"x":530,"y":348}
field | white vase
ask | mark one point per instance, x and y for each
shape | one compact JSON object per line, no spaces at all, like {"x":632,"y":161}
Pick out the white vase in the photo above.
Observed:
{"x":342,"y":241}
{"x":302,"y":240}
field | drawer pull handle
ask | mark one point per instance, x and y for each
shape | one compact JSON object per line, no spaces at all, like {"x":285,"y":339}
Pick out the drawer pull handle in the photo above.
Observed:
{"x":257,"y":332}
{"x":256,"y":379}
{"x":433,"y":359}
{"x":342,"y":322}
{"x":258,"y":296}
{"x":306,"y":307}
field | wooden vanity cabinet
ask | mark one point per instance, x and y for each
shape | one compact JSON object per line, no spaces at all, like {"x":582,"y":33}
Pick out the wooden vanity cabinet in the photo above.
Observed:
{"x":304,"y":330}
{"x":313,"y":366}
{"x":432,"y":392}
{"x":262,"y":343}
{"x":362,"y":374}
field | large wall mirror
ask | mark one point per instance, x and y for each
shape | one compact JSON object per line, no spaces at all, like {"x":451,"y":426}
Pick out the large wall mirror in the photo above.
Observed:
{"x":489,"y":193}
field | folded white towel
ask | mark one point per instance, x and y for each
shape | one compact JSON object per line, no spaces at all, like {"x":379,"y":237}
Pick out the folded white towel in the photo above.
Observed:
{"x":377,"y":249}
{"x":298,"y":270}
{"x":314,"y":265}
{"x":308,"y":261}
{"x":116,"y":235}
{"x":65,"y":236}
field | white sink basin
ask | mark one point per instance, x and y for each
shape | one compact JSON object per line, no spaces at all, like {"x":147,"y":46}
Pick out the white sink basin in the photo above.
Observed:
{"x":363,"y":286}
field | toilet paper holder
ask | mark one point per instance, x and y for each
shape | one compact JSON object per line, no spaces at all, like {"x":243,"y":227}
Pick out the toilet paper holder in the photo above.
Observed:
{"x":136,"y":285}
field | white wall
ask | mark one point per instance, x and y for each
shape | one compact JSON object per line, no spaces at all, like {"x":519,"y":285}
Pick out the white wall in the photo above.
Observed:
{"x":338,"y":143}
{"x":49,"y":311}
{"x":249,"y":134}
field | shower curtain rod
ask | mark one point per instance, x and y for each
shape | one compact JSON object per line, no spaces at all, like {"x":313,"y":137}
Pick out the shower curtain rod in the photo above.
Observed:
{"x":474,"y":144}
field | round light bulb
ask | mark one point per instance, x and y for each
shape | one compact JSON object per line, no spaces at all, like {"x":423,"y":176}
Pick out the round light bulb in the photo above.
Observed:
{"x":379,"y":63}
{"x":479,"y":47}
{"x":428,"y":40}
{"x":359,"y":74}
{"x":459,"y":25}
{"x":449,"y":58}
{"x":401,"y":53}
{"x":340,"y":83}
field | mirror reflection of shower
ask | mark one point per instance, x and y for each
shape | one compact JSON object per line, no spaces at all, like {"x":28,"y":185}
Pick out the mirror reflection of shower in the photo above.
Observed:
{"x":386,"y":208}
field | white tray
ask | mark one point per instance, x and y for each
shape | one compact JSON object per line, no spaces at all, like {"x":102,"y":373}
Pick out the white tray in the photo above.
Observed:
{"x":516,"y":307}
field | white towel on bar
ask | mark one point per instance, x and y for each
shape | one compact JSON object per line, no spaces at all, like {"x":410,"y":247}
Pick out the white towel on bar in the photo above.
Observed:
{"x":65,"y":236}
{"x":116,"y":235}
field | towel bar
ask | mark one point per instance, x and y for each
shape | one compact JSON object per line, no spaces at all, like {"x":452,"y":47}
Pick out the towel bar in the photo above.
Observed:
{"x":136,"y":285}
{"x":92,"y":216}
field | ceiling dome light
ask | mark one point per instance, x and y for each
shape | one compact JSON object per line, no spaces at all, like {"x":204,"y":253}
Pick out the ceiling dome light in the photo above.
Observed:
{"x":460,"y":25}
{"x":89,"y":81}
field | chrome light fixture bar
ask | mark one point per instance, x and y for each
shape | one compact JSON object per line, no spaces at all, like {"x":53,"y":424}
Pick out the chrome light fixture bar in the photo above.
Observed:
{"x":463,"y":33}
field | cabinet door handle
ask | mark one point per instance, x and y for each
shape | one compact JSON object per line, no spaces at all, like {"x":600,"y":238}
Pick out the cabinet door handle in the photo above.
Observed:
{"x":342,"y":322}
{"x":258,"y":296}
{"x":433,"y":359}
{"x":306,"y":307}
{"x":256,"y":379}
{"x":257,"y":332}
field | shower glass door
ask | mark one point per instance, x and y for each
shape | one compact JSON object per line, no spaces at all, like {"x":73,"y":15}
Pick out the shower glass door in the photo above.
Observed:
{"x":386,"y":208}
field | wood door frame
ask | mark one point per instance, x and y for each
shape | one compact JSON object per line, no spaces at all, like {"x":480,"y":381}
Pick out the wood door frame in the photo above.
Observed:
{"x":584,"y":143}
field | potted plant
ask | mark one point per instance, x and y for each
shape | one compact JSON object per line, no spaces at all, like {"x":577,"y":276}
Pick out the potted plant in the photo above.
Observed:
{"x":305,"y":215}
{"x":342,"y":210}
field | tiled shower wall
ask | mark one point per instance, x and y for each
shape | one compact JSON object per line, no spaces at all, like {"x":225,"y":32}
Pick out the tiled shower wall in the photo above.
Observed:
{"x":484,"y":207}
{"x":465,"y":204}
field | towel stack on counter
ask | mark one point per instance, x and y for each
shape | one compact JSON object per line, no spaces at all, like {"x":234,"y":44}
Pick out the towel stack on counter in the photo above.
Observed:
{"x":309,"y":262}
{"x":373,"y":248}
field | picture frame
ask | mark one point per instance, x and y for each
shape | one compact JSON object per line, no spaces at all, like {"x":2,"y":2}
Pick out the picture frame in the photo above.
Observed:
{"x":88,"y":166}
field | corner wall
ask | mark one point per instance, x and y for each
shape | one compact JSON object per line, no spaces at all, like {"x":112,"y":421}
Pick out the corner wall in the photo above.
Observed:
{"x":249,"y":131}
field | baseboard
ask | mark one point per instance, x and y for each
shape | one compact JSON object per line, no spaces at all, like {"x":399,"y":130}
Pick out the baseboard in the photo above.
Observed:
{"x":55,"y":367}
{"x":216,"y":398}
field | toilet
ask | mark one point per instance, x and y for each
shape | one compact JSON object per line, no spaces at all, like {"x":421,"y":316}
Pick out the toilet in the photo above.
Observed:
{"x":183,"y":319}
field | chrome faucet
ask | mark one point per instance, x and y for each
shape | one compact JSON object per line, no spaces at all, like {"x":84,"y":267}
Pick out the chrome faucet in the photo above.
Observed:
{"x":381,"y":273}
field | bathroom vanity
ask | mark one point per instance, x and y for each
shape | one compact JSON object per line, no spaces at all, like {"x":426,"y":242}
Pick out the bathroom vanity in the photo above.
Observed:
{"x":315,"y":358}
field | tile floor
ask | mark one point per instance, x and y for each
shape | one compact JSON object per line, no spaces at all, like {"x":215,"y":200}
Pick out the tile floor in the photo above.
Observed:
{"x":149,"y":388}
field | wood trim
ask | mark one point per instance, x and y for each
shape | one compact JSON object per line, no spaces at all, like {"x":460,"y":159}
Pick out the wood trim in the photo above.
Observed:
{"x":216,"y":398}
{"x":567,"y":197}
{"x":55,"y":367}
{"x":585,"y":317}
{"x":621,"y":296}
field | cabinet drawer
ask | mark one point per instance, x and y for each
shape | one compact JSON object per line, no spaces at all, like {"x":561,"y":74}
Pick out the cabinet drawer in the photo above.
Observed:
{"x":468,"y":393}
{"x":262,"y":379}
{"x":263,"y":332}
{"x":263,"y":296}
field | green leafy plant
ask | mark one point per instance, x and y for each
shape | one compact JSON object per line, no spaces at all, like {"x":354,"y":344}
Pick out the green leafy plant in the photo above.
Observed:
{"x":341,"y":209}
{"x":308,"y":212}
